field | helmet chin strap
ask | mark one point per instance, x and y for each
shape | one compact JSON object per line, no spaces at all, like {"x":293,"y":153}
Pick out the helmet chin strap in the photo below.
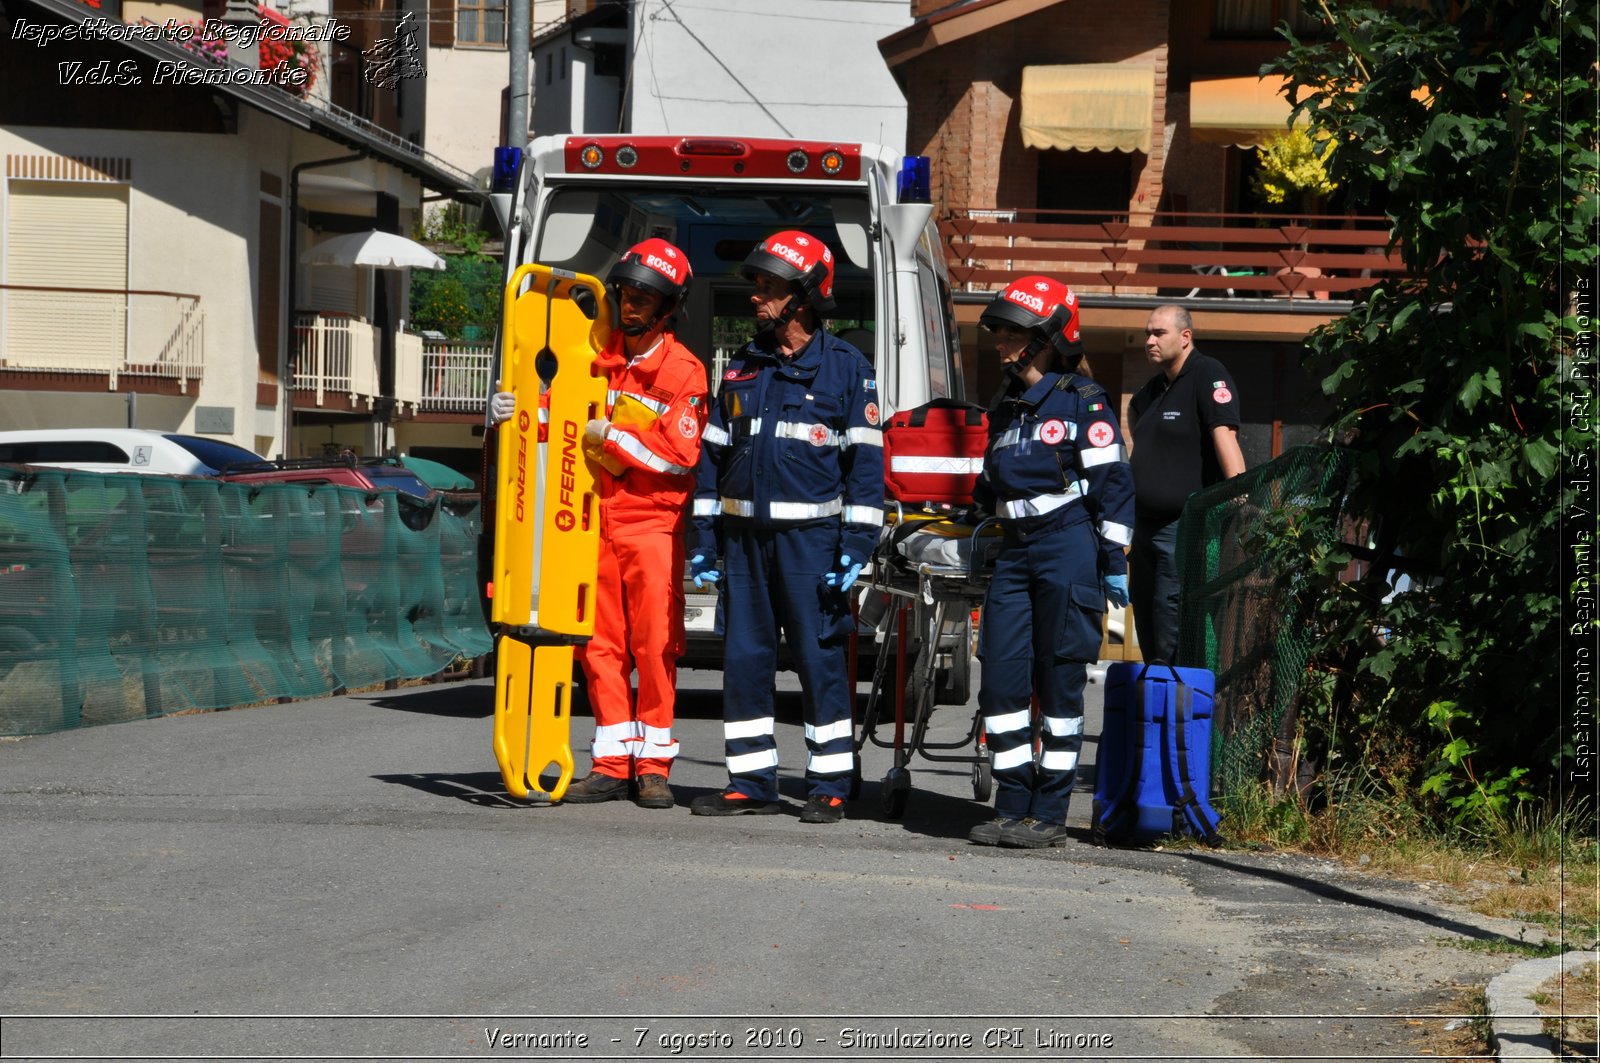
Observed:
{"x":636,"y":329}
{"x":793,"y":308}
{"x":1035,"y":345}
{"x":796,"y":304}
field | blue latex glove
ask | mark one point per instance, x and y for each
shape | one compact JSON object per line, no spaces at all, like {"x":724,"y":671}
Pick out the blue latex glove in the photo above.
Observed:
{"x":845,"y":574}
{"x":1116,"y":589}
{"x":703,"y":569}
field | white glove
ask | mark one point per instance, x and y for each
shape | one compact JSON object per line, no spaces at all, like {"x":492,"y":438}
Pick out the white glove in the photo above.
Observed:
{"x":594,"y":433}
{"x":502,"y":406}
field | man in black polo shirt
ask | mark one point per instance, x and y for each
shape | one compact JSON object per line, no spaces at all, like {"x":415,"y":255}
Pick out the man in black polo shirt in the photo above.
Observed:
{"x":1185,"y":436}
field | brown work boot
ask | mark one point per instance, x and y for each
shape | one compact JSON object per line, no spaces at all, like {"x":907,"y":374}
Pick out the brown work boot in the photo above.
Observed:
{"x":654,"y":792}
{"x":596,"y":787}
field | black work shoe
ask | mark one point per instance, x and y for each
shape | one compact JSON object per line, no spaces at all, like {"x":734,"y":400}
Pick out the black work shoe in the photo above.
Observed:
{"x":988,"y":832}
{"x":731,"y":803}
{"x":596,"y":787}
{"x":822,"y":809}
{"x":1033,"y":834}
{"x":654,"y":792}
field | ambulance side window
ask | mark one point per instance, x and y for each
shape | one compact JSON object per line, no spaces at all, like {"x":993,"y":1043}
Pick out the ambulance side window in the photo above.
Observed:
{"x":935,"y":297}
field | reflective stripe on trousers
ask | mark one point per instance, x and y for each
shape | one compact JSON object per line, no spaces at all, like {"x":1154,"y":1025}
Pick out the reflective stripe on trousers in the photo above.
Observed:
{"x":774,"y":583}
{"x":1038,"y":632}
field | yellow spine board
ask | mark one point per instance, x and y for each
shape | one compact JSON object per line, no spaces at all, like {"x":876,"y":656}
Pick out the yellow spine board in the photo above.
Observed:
{"x":545,"y":329}
{"x":544,"y":319}
{"x":532,"y":717}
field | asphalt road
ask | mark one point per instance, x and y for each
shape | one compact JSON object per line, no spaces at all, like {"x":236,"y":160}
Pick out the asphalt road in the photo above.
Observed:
{"x":345,"y":878}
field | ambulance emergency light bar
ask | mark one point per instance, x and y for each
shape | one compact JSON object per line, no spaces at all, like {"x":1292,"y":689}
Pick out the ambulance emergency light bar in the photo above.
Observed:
{"x":913,"y":185}
{"x":506,"y":161}
{"x":714,"y":157}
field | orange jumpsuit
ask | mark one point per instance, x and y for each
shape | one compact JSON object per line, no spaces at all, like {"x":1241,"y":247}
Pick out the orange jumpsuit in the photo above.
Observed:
{"x":657,"y":407}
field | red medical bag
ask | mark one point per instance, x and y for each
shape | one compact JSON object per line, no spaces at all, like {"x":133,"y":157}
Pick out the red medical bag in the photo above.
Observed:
{"x":934,"y":453}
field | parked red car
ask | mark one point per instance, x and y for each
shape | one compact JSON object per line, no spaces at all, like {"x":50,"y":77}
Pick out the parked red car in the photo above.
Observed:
{"x":369,"y":473}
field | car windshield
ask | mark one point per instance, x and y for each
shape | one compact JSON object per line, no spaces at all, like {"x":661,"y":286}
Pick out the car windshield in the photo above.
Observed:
{"x":214,"y":453}
{"x":397,"y":477}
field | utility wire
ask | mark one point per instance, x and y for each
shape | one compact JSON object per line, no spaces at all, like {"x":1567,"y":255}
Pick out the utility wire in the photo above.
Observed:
{"x":696,"y":38}
{"x":655,"y":80}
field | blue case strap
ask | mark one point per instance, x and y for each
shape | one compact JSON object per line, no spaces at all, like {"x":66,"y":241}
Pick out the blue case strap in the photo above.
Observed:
{"x":1202,"y":820}
{"x":1115,"y":820}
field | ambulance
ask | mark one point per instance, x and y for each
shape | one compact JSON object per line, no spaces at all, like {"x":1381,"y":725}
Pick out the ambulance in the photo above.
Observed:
{"x":575,"y":203}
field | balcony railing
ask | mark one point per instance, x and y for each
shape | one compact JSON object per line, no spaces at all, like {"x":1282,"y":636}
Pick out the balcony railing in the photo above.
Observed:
{"x":456,"y":377}
{"x":118,"y":332}
{"x":335,"y":353}
{"x":1172,"y":254}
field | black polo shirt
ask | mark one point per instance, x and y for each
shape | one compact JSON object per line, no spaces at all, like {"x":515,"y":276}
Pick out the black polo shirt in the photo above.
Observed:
{"x":1173,"y":453}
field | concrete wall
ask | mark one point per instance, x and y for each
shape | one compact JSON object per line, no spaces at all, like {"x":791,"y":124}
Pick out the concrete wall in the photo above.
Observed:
{"x":567,"y":96}
{"x":773,"y":68}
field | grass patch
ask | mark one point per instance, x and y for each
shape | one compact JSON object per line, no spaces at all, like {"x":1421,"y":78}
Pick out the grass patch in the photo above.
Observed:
{"x":1571,"y":1001}
{"x":1452,"y":1038}
{"x":1538,"y":864}
{"x":1502,"y":945}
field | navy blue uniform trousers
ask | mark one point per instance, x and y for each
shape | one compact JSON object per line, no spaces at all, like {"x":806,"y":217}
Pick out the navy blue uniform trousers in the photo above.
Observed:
{"x":1154,"y":588}
{"x":774,"y":581}
{"x":1041,"y":625}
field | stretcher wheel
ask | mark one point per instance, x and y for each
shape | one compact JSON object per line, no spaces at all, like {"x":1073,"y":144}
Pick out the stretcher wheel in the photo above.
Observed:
{"x":983,"y":780}
{"x":855,"y":776}
{"x":896,"y":789}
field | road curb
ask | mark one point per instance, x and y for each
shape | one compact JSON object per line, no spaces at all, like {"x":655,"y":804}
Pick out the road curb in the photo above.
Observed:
{"x":1516,"y":1030}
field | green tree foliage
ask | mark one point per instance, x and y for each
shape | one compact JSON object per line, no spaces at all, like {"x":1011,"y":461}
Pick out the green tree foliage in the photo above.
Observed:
{"x":465,"y":293}
{"x":464,"y":297}
{"x":1454,"y":389}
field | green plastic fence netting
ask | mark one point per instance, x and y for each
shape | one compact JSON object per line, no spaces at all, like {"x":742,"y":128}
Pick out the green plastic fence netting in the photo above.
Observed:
{"x":1239,"y":618}
{"x":124,"y":595}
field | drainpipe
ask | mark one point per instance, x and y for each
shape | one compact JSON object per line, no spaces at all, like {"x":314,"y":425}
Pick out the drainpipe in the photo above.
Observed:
{"x":285,"y":381}
{"x":517,"y":46}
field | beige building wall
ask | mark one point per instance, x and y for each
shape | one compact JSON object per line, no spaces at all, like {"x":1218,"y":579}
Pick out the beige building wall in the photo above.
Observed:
{"x":194,"y":211}
{"x":192,"y":216}
{"x":466,"y":87}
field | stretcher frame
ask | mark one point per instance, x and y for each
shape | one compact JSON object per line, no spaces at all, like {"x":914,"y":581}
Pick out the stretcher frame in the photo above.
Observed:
{"x":920,"y":597}
{"x":546,"y":543}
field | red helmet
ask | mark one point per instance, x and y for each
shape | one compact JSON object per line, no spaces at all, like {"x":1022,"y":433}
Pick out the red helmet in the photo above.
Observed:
{"x":1044,"y":307}
{"x":655,"y":266}
{"x":802,"y":260}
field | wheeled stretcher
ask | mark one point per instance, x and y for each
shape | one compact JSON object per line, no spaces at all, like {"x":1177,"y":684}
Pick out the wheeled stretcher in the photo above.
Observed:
{"x":929,"y":575}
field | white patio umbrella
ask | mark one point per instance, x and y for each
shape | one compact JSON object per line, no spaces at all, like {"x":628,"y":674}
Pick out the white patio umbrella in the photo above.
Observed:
{"x":372,"y":248}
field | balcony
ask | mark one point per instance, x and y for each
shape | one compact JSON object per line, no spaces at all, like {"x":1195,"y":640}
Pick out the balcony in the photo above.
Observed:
{"x":456,"y":377}
{"x":1174,"y":255}
{"x":335,"y":361}
{"x":57,"y":337}
{"x":335,"y":366}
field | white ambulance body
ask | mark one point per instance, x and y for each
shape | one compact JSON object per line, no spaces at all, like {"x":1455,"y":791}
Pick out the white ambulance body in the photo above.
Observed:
{"x":579,"y":201}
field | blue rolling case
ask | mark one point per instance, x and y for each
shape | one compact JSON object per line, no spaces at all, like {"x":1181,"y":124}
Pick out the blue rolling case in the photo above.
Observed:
{"x":1153,"y":770}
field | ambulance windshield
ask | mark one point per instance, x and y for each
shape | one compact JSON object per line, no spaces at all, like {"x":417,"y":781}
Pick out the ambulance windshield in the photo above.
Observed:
{"x":585,"y":227}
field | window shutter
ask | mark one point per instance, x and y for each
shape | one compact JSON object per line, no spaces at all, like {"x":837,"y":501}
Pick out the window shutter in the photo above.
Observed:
{"x":441,"y":23}
{"x":67,"y":235}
